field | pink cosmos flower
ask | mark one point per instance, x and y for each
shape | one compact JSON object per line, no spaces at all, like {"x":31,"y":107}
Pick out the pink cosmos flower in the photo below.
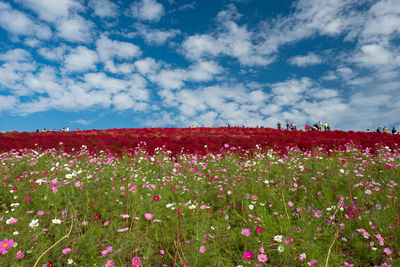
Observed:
{"x":262,"y":258}
{"x":109,"y":263}
{"x":290,"y":204}
{"x":108,"y":250}
{"x":20,"y":255}
{"x":246,"y":232}
{"x":302,"y":257}
{"x":388,"y":251}
{"x":148,"y":216}
{"x":40,"y":213}
{"x":248,"y":255}
{"x":5,"y":245}
{"x":312,"y":262}
{"x":202,"y":249}
{"x":65,"y":251}
{"x":133,"y":188}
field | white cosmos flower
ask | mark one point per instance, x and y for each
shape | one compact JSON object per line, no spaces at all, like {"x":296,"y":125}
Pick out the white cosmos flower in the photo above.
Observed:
{"x":278,"y":238}
{"x":34,"y":223}
{"x":281,"y":248}
{"x":56,"y":221}
{"x":251,"y":206}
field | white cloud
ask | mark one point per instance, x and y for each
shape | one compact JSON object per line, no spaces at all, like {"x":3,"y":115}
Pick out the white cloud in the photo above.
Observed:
{"x":104,"y":8}
{"x":146,"y":66}
{"x":308,"y":60}
{"x":16,"y":64}
{"x":81,"y":121}
{"x":111,"y":49}
{"x":376,"y":55}
{"x":50,"y":10}
{"x":19,"y":23}
{"x":155,"y":36}
{"x":44,"y":81}
{"x":80,"y":59}
{"x":228,"y":39}
{"x":149,"y":10}
{"x":17,"y":54}
{"x":201,"y":71}
{"x":75,"y":29}
{"x":54,"y":53}
{"x":8,"y":102}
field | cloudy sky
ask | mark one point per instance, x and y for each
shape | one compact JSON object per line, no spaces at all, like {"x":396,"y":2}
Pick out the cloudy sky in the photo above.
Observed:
{"x":98,"y":64}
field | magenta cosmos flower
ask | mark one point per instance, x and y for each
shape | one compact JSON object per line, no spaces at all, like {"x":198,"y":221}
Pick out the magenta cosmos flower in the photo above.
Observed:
{"x":248,"y":255}
{"x":20,"y":255}
{"x":136,"y":261}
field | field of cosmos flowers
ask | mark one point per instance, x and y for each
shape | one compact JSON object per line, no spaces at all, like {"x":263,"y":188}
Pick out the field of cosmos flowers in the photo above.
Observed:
{"x":199,"y":197}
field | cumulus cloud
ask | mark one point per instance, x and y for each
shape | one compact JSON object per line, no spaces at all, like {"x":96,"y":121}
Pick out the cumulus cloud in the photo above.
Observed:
{"x":108,"y":48}
{"x":201,"y":71}
{"x":307,"y":60}
{"x":155,"y":36}
{"x":229,"y":39}
{"x":19,"y":23}
{"x":376,"y":55}
{"x":147,"y":66}
{"x":7,"y":102}
{"x":80,"y":59}
{"x":16,"y":63}
{"x":52,"y":11}
{"x":52,"y":53}
{"x":149,"y":10}
{"x":81,"y":121}
{"x":75,"y":29}
{"x":104,"y":8}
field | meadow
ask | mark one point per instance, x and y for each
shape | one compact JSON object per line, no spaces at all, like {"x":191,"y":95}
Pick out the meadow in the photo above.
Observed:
{"x":223,"y":205}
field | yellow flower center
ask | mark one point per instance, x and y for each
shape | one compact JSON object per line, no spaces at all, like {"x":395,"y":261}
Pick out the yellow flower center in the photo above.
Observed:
{"x":5,"y":245}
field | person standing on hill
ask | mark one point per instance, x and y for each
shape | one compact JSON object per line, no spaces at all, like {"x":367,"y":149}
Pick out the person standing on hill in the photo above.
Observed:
{"x":385,"y":129}
{"x":279,"y":125}
{"x":378,"y":130}
{"x":394,"y":130}
{"x":287,"y":125}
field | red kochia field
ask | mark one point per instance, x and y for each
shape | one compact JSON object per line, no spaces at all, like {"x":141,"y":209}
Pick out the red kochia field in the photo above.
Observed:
{"x":193,"y":140}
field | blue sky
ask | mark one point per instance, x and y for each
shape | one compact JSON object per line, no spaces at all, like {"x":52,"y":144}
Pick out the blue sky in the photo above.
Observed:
{"x":98,"y":64}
